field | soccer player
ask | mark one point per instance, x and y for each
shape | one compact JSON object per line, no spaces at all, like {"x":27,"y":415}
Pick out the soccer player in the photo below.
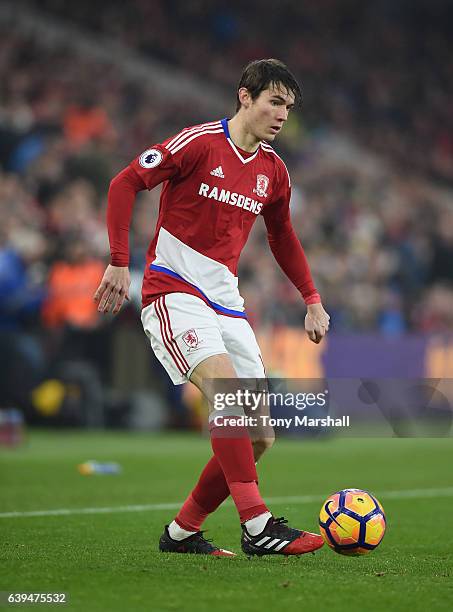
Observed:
{"x":217,"y":178}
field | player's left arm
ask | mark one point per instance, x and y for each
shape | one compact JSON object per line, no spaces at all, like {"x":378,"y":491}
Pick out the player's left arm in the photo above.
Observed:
{"x":291,"y":257}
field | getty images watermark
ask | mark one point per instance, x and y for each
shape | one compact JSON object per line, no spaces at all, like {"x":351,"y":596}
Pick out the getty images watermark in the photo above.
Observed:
{"x":354,"y":407}
{"x":256,"y":407}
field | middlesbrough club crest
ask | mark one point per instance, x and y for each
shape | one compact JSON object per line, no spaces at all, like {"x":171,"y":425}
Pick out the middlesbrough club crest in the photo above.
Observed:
{"x":262,"y":183}
{"x":191,"y":338}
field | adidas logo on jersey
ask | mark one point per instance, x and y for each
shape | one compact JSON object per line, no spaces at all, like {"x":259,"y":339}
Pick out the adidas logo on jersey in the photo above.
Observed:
{"x":218,"y":172}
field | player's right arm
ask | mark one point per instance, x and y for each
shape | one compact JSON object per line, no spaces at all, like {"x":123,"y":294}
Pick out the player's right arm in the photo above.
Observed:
{"x":152,"y":167}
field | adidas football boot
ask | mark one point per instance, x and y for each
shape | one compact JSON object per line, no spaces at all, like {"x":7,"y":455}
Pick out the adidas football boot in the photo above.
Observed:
{"x":279,"y":539}
{"x":195,"y":544}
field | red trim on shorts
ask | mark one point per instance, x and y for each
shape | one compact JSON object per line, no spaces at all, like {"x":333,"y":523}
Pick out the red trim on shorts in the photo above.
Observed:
{"x":168,"y":341}
{"x":164,"y":337}
{"x":176,"y":347}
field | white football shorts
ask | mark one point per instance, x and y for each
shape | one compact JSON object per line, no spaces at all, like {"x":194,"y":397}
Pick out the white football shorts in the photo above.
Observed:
{"x":184,"y":331}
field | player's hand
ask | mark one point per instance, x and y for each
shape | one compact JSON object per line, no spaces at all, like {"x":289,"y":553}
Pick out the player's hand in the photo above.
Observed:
{"x":113,"y":290}
{"x":316,"y":322}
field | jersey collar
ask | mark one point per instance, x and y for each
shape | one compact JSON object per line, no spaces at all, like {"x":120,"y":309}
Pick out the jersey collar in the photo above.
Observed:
{"x":244,"y":160}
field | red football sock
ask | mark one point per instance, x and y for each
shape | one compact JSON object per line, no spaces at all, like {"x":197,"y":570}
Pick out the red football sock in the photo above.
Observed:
{"x":233,"y":450}
{"x":191,"y":515}
{"x":210,"y":491}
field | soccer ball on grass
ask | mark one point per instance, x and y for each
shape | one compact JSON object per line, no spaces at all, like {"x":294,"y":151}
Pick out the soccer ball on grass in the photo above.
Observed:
{"x":352,"y":522}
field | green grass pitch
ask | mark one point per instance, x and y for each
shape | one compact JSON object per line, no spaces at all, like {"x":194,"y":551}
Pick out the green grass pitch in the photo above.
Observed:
{"x":109,"y":561}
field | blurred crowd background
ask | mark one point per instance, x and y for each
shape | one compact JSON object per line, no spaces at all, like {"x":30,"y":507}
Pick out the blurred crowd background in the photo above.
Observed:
{"x":370,"y":153}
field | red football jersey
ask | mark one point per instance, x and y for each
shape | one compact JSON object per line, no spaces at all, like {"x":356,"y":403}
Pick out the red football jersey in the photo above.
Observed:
{"x":212,"y":194}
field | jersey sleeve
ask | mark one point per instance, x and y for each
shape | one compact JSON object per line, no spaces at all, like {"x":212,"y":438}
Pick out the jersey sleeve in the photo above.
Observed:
{"x":284,"y":242}
{"x":156,"y":165}
{"x":164,"y":162}
{"x":152,"y":167}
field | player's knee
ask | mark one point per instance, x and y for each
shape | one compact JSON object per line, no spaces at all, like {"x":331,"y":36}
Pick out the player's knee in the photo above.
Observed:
{"x":211,"y":369}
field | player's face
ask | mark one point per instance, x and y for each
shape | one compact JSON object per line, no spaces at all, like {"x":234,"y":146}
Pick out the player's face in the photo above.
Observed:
{"x":269,"y":111}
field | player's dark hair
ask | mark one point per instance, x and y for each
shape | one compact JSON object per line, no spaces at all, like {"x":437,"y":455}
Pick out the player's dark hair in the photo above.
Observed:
{"x":260,"y":74}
